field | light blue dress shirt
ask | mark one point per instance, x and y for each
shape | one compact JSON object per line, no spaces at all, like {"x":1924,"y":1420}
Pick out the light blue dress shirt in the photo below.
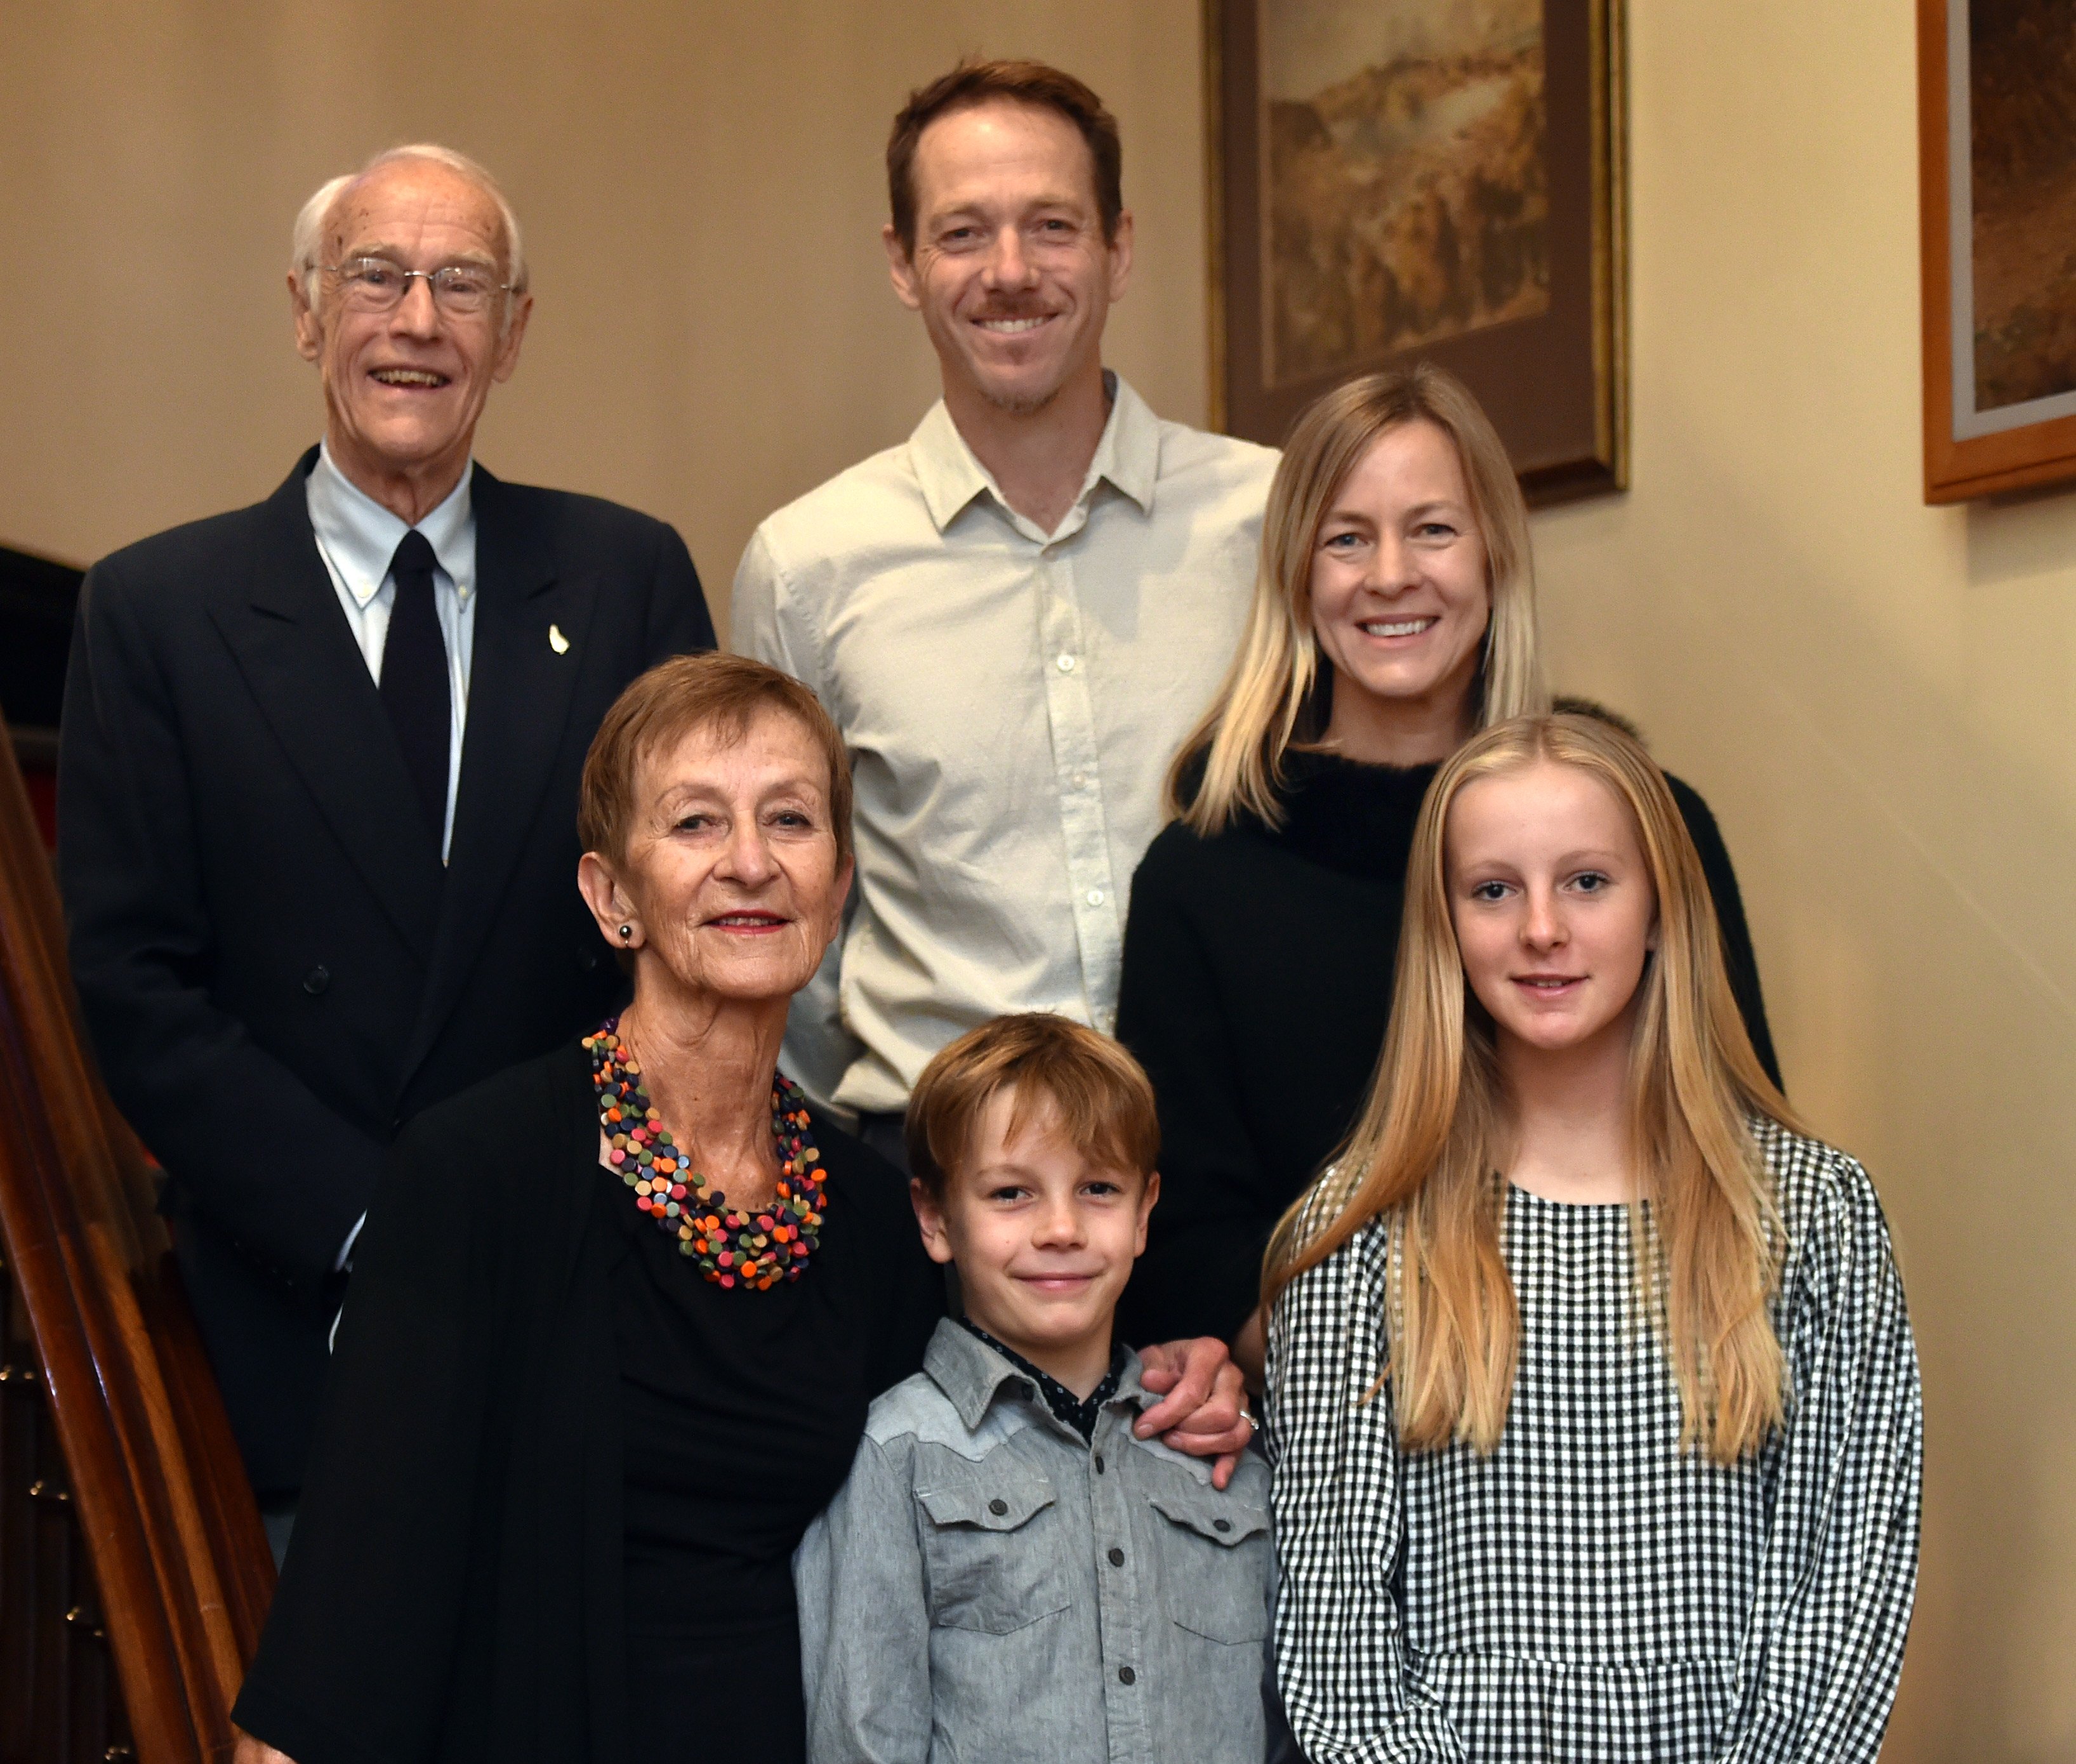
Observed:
{"x":356,"y":538}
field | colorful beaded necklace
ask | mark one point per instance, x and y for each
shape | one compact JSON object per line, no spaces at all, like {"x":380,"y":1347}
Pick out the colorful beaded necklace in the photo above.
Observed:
{"x":732,"y":1248}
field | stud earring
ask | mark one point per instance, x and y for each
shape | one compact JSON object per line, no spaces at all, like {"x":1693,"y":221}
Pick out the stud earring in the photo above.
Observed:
{"x":625,"y":932}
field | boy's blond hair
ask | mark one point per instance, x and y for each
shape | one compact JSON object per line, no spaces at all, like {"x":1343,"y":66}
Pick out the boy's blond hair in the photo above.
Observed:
{"x":1103,"y":1101}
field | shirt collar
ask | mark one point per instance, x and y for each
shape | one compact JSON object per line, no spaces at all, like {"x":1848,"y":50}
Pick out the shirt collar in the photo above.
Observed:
{"x":359,"y":536}
{"x":972,"y":1375}
{"x":1127,"y":456}
{"x":1079,"y":1412}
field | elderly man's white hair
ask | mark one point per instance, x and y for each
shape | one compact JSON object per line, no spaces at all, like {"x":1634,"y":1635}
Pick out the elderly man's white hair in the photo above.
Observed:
{"x":306,"y":250}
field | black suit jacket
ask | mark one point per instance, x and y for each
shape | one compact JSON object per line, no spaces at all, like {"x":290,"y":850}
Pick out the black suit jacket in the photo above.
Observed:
{"x":275,"y":969}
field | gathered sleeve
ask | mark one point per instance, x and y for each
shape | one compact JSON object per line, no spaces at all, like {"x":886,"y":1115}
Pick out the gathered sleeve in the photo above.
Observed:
{"x":1818,"y":1669}
{"x":1338,"y":1500}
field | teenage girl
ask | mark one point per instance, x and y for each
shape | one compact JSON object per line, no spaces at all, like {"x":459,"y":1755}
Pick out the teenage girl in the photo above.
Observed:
{"x":1592,"y":1395}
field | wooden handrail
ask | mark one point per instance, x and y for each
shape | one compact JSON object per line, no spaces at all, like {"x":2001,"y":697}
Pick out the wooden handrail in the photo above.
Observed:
{"x":154,"y":1481}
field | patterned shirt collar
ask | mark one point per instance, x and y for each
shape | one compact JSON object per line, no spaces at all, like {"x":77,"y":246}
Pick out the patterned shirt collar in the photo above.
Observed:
{"x":1075,"y":1412}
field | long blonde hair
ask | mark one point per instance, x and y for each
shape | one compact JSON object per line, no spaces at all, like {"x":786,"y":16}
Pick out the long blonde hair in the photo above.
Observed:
{"x":1270,"y":699}
{"x":1423,"y":1154}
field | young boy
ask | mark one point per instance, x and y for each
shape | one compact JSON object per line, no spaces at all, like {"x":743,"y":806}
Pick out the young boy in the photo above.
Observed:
{"x":1008,"y":1573}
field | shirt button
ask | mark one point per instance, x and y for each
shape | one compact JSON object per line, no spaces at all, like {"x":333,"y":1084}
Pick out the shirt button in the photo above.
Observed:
{"x":1126,"y":1675}
{"x":1080,"y":781}
{"x":317,"y":980}
{"x":1222,"y":1525}
{"x":1066,"y":664}
{"x":998,"y":1507}
{"x":1099,"y":1464}
{"x":1095,"y":897}
{"x":1116,"y":1558}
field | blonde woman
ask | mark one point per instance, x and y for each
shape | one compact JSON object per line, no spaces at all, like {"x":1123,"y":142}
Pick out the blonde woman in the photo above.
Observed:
{"x":1592,"y":1398}
{"x":1393,"y":615}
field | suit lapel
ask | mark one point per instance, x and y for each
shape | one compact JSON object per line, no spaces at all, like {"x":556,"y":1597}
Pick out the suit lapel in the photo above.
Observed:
{"x":298,"y":655}
{"x":519,"y":692}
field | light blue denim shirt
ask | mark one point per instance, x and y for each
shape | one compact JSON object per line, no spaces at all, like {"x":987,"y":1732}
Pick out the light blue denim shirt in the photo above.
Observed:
{"x":987,"y":1585}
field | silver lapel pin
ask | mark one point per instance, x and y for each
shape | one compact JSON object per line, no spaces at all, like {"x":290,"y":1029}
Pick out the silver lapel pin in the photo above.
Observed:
{"x":557,"y":642}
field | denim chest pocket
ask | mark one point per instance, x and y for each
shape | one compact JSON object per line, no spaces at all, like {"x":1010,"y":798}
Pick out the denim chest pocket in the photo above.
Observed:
{"x":990,"y":1552}
{"x":1219,"y":1547}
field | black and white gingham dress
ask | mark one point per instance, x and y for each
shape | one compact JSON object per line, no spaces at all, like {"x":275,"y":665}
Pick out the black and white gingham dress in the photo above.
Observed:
{"x":1590,"y":1592}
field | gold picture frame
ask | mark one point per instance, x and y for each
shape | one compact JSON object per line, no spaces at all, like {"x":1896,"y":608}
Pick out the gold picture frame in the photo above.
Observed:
{"x":1530,"y":196}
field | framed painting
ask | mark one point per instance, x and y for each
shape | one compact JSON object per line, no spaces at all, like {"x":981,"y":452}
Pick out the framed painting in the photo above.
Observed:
{"x":1996,"y":108}
{"x":1395,"y":179}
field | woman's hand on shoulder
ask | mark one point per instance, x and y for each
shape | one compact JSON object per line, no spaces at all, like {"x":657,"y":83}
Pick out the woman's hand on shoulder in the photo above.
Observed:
{"x":1203,"y":1407}
{"x":252,"y":1751}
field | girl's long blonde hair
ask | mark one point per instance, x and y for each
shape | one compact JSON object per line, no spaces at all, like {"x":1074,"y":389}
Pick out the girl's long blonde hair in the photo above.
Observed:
{"x":1271,"y":699}
{"x":1424,"y":1153}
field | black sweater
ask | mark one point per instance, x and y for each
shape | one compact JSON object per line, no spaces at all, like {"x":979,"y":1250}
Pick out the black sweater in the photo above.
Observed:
{"x":1256,"y":986}
{"x":467,"y":1579}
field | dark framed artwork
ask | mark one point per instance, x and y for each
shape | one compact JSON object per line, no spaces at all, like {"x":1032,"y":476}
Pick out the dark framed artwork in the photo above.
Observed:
{"x":1391,"y":179}
{"x":1996,"y":111}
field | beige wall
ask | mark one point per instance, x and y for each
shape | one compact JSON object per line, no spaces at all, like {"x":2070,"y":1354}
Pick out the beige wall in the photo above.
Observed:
{"x":702,"y":188}
{"x":1879,"y":699}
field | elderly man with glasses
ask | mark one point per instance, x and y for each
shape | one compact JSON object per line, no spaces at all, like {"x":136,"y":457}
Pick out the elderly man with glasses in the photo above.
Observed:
{"x":319,"y":775}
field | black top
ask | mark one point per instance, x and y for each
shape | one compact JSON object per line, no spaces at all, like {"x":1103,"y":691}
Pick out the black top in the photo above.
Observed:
{"x":272,"y":958}
{"x":1256,"y":987}
{"x":739,"y":1415}
{"x":558,"y":1476}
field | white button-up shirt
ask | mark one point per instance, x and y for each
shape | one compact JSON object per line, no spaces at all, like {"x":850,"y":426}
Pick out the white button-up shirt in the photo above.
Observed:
{"x":1011,"y":699}
{"x":357,"y":538}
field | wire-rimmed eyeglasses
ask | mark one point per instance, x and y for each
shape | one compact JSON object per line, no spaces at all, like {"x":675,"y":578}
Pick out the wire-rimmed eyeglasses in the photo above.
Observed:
{"x":378,"y":284}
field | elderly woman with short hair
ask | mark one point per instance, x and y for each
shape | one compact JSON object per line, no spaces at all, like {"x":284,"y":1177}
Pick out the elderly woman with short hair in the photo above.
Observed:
{"x":617,"y":1315}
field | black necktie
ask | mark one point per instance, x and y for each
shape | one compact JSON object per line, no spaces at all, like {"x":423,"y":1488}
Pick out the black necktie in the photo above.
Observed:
{"x":414,"y":678}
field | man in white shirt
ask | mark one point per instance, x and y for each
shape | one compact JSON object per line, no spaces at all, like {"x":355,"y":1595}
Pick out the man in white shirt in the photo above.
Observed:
{"x":1015,"y":615}
{"x":318,"y":772}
